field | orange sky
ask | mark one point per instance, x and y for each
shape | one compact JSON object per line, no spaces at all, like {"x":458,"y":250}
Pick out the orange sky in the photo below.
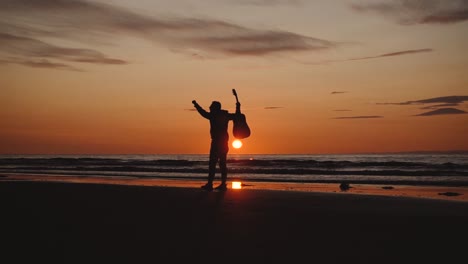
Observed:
{"x":114,"y":77}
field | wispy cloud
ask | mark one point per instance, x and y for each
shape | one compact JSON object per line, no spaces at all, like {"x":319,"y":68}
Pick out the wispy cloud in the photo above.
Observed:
{"x":385,"y":55}
{"x":266,"y":2}
{"x":453,"y":100}
{"x":357,"y":117}
{"x":26,"y":22}
{"x":29,"y":47}
{"x":42,"y":63}
{"x":339,"y":92}
{"x":436,"y":103}
{"x":342,"y":110}
{"x":273,"y":107}
{"x":410,"y":12}
{"x":398,"y":53}
{"x":444,"y":111}
{"x":437,"y":106}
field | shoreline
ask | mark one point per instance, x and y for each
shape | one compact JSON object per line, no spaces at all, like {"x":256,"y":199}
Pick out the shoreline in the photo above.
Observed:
{"x":449,"y":193}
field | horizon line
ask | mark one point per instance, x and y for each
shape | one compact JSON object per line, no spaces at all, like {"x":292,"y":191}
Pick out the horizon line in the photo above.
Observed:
{"x":148,"y":154}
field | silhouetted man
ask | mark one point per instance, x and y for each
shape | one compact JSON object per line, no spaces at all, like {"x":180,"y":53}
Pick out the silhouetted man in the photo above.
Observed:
{"x":219,"y":120}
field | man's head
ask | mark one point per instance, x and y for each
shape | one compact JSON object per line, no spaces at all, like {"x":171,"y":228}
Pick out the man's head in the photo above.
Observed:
{"x":215,"y":106}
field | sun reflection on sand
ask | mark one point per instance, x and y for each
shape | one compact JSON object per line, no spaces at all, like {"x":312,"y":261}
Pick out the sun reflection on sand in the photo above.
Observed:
{"x":236,"y":185}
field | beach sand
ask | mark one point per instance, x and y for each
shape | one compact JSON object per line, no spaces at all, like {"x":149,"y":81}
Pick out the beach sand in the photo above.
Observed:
{"x":453,"y":193}
{"x":69,"y":222}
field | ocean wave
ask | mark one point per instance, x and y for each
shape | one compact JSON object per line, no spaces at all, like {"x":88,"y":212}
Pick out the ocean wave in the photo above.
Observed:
{"x":382,"y":169}
{"x":241,"y":165}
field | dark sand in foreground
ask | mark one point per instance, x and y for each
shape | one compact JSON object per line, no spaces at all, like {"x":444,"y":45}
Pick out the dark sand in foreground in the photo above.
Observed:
{"x":98,"y":223}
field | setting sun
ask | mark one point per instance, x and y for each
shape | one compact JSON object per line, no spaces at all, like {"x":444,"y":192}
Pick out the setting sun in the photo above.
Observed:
{"x":237,"y":144}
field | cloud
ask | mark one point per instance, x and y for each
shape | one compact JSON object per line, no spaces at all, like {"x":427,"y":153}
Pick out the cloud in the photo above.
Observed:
{"x":436,"y":103}
{"x":357,"y":117}
{"x":29,"y":47}
{"x":438,"y":106}
{"x":398,"y":53}
{"x":452,"y":100}
{"x":27,"y":22}
{"x":385,"y":55}
{"x":339,"y":92}
{"x":273,"y":107}
{"x":443,"y":111}
{"x":411,"y":12}
{"x":342,"y":110}
{"x":267,"y":2}
{"x":242,"y":41}
{"x":42,"y":63}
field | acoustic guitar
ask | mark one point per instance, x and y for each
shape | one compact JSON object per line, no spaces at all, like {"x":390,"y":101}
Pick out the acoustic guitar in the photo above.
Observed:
{"x":241,"y":128}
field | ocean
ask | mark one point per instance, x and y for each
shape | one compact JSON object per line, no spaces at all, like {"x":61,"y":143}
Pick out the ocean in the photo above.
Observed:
{"x":410,"y":169}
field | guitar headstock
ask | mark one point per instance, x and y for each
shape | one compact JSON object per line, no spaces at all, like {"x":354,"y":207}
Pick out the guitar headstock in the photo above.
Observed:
{"x":234,"y":92}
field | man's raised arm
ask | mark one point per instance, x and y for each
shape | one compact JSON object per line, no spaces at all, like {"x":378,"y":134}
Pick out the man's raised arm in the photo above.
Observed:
{"x":200,"y":110}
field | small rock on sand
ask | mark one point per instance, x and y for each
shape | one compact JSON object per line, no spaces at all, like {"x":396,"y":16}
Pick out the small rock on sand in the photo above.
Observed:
{"x":344,"y":186}
{"x":450,"y":194}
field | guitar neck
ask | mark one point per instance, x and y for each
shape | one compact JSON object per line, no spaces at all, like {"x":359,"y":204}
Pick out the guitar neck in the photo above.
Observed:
{"x":235,"y":94}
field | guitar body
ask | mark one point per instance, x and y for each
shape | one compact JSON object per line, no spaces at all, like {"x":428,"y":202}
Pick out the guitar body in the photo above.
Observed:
{"x":241,"y":128}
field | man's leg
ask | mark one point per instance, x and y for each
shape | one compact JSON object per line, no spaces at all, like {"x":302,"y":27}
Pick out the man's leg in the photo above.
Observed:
{"x":223,"y":167}
{"x":211,"y":168}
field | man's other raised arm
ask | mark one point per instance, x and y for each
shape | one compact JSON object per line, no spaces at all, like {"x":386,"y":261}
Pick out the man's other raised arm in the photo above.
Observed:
{"x":238,"y":112}
{"x":200,"y":110}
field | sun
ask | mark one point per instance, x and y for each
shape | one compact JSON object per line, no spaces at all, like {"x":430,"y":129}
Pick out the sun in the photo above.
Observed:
{"x":237,"y":144}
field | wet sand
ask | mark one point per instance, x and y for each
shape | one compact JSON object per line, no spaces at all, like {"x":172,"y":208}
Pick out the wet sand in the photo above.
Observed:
{"x":65,"y":222}
{"x":452,"y":193}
